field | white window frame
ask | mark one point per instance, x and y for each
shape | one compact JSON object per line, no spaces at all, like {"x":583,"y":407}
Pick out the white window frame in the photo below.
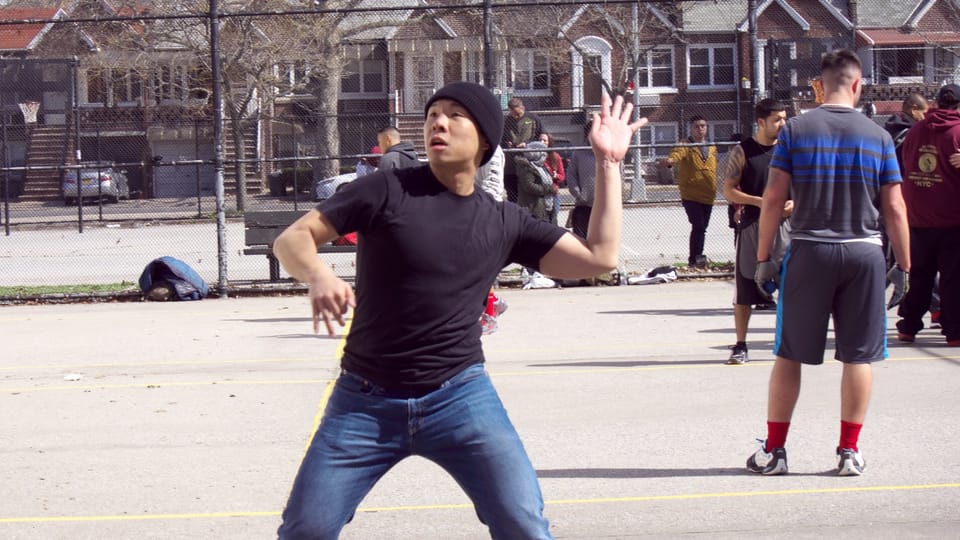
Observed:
{"x":179,"y":77}
{"x":473,"y":69}
{"x":363,"y":70}
{"x":288,"y":80}
{"x":531,"y":59}
{"x":647,"y":65}
{"x":108,"y":84}
{"x":711,"y":49}
{"x":650,"y":131}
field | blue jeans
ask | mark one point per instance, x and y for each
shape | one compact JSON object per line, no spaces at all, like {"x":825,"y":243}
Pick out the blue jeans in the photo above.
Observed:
{"x":462,"y":426}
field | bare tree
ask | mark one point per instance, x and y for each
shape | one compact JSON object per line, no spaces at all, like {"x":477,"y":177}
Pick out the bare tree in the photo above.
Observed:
{"x":258,"y":41}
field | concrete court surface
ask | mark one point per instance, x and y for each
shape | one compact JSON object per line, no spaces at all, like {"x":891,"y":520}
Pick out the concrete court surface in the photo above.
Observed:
{"x":188,"y":420}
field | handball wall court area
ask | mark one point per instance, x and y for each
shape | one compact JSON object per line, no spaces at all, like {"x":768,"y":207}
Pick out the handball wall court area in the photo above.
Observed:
{"x":189,"y":420}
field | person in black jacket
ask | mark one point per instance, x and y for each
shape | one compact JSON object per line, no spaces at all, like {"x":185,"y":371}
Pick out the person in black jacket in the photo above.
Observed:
{"x":914,"y":108}
{"x":397,"y":154}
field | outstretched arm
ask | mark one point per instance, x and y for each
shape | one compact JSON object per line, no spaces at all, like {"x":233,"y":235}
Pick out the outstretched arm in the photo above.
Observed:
{"x":610,"y":136}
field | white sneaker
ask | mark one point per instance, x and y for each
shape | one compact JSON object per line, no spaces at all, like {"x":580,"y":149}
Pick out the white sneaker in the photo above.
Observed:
{"x":850,"y":463}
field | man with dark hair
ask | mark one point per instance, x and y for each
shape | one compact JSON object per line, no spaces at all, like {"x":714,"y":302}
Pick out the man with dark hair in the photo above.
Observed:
{"x":913,"y":109}
{"x":519,"y":128}
{"x":697,"y":179}
{"x":931,"y":190}
{"x":744,"y":181}
{"x":397,"y":154}
{"x":412,"y":379}
{"x":842,"y":172}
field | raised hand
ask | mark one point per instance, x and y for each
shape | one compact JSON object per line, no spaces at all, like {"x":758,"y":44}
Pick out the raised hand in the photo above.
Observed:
{"x":611,"y":132}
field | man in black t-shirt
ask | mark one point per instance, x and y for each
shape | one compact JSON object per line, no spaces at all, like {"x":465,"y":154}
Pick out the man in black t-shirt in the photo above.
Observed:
{"x":744,"y":180}
{"x":430,"y":246}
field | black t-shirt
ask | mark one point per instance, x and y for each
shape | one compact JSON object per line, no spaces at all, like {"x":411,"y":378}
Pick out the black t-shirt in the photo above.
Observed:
{"x":753,"y":179}
{"x":426,"y":259}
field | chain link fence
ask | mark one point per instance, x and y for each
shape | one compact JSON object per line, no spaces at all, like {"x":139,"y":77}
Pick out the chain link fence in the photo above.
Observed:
{"x":108,"y":119}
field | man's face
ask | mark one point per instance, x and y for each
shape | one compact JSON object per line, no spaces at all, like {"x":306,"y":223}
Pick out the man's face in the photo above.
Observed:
{"x":698,"y":130}
{"x":517,"y":112}
{"x":917,"y":112}
{"x":450,"y":135}
{"x":771,"y":125}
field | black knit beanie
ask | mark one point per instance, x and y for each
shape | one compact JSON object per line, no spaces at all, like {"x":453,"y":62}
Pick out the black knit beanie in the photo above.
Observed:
{"x":482,"y":106}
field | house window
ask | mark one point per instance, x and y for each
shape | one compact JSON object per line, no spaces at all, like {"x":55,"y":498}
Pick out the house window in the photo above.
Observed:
{"x":126,"y":86}
{"x":656,"y":68}
{"x":531,"y":71}
{"x":711,"y":66}
{"x":721,"y":131}
{"x":946,"y":64}
{"x":292,"y":77}
{"x":658,"y":133}
{"x":900,"y":65}
{"x":473,"y":66}
{"x":364,"y":78}
{"x":96,"y":86}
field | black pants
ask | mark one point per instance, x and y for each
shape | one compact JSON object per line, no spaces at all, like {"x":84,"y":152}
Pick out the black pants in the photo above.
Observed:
{"x":933,"y":250}
{"x":698,"y":214}
{"x":581,"y":219}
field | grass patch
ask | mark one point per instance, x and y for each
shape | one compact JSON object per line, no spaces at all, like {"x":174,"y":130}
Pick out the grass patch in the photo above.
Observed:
{"x":37,"y":290}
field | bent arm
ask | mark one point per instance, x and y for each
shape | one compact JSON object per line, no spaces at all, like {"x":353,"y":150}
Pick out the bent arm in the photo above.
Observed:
{"x":296,"y":249}
{"x":771,"y":210}
{"x":732,"y":177}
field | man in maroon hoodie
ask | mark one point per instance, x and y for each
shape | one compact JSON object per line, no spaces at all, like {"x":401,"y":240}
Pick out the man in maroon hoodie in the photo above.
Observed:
{"x":931,"y":189}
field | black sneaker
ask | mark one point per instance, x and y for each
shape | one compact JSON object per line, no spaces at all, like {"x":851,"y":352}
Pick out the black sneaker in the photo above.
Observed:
{"x":768,"y":464}
{"x":766,"y":306}
{"x":738,"y":356}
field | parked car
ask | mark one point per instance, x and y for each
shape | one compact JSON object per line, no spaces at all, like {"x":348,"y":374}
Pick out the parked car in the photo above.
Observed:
{"x":325,"y":188}
{"x":96,"y":180}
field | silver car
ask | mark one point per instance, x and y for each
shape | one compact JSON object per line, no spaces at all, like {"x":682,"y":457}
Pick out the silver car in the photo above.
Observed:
{"x":96,"y":182}
{"x":324,"y":189}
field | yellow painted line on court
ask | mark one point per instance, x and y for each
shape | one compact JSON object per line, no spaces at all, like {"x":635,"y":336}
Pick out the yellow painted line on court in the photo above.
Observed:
{"x":422,"y":507}
{"x":322,"y":406}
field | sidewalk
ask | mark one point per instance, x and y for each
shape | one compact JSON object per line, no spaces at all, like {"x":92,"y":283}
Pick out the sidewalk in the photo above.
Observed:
{"x":188,"y":420}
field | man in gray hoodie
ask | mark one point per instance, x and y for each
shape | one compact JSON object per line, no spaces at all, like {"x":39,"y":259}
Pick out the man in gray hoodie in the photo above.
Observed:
{"x":397,"y":154}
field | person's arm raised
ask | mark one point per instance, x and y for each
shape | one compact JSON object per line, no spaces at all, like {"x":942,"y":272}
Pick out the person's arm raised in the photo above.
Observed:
{"x":571,"y":257}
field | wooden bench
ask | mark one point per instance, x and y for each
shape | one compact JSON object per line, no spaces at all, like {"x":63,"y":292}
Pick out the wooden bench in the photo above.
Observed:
{"x":262,"y":228}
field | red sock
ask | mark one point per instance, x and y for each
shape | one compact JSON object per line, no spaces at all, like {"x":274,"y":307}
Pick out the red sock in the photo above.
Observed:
{"x":491,"y":298}
{"x":849,"y":435}
{"x":776,"y":435}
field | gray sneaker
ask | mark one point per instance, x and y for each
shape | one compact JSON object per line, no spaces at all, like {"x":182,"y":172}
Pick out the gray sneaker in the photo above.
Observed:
{"x":738,"y":356}
{"x":768,"y":464}
{"x":850,"y":462}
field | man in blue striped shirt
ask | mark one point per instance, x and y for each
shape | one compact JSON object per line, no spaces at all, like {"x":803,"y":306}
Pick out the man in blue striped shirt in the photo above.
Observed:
{"x":841,"y":169}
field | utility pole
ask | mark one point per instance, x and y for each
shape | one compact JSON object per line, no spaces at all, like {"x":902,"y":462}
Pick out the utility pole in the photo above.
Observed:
{"x":754,"y":56}
{"x":638,"y":185}
{"x":218,"y":147}
{"x":488,"y":67}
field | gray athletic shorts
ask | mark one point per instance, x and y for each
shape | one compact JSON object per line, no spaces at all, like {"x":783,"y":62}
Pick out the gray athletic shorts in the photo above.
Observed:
{"x":746,"y":292}
{"x":845,"y":280}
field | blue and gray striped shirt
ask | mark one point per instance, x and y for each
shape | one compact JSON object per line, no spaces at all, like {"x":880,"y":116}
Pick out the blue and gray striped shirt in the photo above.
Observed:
{"x":838,"y":159}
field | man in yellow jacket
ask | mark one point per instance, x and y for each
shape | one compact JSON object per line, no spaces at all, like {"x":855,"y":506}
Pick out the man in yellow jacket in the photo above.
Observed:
{"x":697,"y":178}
